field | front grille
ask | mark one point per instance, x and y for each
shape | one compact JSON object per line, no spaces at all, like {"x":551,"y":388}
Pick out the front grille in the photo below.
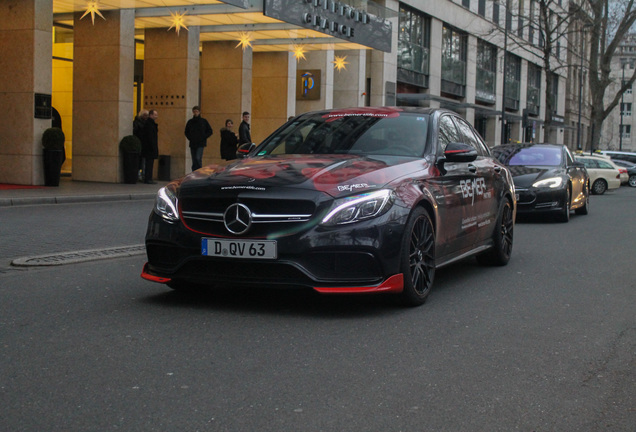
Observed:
{"x":206,"y":214}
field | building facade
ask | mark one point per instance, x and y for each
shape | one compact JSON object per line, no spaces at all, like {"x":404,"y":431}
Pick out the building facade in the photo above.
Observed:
{"x":275,"y":59}
{"x":618,"y":129}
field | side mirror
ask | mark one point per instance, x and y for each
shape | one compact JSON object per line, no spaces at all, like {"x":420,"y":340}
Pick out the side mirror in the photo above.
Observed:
{"x":460,"y":152}
{"x":244,"y":150}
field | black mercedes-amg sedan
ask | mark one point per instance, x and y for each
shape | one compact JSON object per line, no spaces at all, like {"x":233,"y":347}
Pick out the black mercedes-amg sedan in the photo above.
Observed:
{"x":359,"y":200}
{"x":547,"y":179}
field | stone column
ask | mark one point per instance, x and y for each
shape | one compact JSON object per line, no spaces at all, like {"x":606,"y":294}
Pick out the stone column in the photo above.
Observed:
{"x":226,"y":89}
{"x":271,"y":91}
{"x":25,"y":59}
{"x":349,"y":84}
{"x":171,"y":87}
{"x":384,"y":65}
{"x":323,"y":61}
{"x":435,"y":61}
{"x":103,"y":65}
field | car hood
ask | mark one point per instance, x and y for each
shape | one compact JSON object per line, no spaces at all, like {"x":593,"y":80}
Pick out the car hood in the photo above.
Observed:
{"x":525,"y":176}
{"x":336,"y":175}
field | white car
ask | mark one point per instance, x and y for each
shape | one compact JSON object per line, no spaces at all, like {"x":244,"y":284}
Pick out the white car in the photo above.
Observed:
{"x":604,"y":174}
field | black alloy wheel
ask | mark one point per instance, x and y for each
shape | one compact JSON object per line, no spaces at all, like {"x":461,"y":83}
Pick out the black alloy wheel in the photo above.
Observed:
{"x":632,"y":180}
{"x":418,"y":258}
{"x":599,"y":187}
{"x":502,"y":238}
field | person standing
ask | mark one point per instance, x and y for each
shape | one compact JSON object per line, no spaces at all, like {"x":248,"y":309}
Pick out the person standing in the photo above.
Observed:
{"x":197,"y":130}
{"x":229,"y":141}
{"x":245,"y":136}
{"x":138,"y":131}
{"x":150,"y":145}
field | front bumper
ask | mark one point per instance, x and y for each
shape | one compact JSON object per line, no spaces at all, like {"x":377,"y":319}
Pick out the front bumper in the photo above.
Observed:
{"x":362,"y":257}
{"x":534,"y":200}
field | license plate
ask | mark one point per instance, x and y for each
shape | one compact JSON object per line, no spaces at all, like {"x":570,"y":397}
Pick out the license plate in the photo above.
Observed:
{"x":258,"y":249}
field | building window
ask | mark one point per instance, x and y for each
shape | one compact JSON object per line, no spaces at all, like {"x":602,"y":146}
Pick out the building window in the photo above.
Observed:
{"x":533,"y":97}
{"x":454,"y":47}
{"x":413,"y":47}
{"x":626,"y":109}
{"x":495,"y":12}
{"x":626,"y":131}
{"x":486,"y":72}
{"x":481,"y":8}
{"x":554,"y":94}
{"x":466,"y":4}
{"x":513,"y":81}
{"x":629,"y":89}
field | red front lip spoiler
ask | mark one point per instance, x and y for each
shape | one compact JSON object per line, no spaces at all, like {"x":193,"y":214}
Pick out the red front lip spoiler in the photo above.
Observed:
{"x":394,"y":284}
{"x":153,"y":278}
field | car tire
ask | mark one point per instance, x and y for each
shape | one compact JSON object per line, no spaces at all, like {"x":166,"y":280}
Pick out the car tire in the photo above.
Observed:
{"x":632,"y":180}
{"x":564,"y":214}
{"x":599,"y":187}
{"x":502,"y":238}
{"x":586,"y":205}
{"x":418,"y":258}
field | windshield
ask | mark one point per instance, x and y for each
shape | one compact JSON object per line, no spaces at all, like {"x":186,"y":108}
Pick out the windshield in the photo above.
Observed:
{"x":397,"y":134}
{"x":533,"y":156}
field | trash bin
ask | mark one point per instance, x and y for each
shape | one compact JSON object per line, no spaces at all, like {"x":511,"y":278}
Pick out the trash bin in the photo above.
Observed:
{"x":163,"y":172}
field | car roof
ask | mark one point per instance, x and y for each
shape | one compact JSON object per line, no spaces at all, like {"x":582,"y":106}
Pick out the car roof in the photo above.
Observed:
{"x":527,"y":145}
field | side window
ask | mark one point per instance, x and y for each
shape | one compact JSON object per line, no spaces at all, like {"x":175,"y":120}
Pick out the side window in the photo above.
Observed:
{"x":604,"y":165}
{"x":470,"y":137}
{"x":447,"y":132}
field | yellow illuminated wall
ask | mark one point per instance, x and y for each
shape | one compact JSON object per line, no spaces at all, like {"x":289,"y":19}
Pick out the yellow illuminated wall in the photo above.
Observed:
{"x":62,"y":95}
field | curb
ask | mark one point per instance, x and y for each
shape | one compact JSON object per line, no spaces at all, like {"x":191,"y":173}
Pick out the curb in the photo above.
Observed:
{"x":70,"y":199}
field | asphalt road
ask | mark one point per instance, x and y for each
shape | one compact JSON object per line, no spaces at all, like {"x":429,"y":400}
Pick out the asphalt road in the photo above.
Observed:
{"x":547,"y":343}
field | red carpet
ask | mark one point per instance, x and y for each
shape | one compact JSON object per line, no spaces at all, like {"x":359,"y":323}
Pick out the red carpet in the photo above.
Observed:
{"x":4,"y":186}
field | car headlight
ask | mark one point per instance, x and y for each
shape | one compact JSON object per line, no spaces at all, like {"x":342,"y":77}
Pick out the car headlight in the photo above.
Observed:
{"x":166,"y":204}
{"x":553,"y":182}
{"x":359,"y":207}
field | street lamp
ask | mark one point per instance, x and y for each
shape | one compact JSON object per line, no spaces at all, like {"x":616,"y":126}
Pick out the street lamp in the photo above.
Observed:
{"x":620,"y":130}
{"x":578,"y":132}
{"x":503,"y":93}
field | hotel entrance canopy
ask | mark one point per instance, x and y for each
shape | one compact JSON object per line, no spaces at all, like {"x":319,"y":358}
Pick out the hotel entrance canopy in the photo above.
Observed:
{"x":270,"y":25}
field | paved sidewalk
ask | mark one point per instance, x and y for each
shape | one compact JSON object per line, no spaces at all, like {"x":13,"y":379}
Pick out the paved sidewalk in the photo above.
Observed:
{"x":70,"y":191}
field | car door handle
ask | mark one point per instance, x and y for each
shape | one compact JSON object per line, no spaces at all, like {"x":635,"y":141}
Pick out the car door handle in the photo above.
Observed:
{"x":472,"y":168}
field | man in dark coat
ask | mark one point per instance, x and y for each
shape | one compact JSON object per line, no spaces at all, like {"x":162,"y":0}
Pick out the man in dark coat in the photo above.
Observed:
{"x":197,"y":130}
{"x":245,"y":135}
{"x":229,"y":141}
{"x":138,"y":131}
{"x":150,"y":145}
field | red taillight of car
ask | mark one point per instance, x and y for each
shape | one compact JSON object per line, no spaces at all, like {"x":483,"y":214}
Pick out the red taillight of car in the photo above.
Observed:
{"x":622,"y":170}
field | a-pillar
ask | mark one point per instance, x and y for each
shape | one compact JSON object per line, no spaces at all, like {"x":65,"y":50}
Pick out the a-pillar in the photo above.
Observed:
{"x":273,"y":90}
{"x":103,"y":67}
{"x":171,"y":87}
{"x":226,"y":89}
{"x":323,"y":61}
{"x":383,"y":65}
{"x":25,"y":59}
{"x":349,"y":84}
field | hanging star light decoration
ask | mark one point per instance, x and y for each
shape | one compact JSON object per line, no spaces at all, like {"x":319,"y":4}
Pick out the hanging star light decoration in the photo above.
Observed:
{"x":92,"y":7}
{"x":299,"y":52}
{"x":245,"y":40}
{"x":178,"y":21}
{"x":339,"y":63}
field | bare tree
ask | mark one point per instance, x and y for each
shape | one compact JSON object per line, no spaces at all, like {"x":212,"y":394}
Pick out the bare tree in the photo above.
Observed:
{"x":541,"y":30}
{"x":611,"y":22}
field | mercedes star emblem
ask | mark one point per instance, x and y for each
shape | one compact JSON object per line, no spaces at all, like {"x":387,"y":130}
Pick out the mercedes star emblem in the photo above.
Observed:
{"x":237,"y":218}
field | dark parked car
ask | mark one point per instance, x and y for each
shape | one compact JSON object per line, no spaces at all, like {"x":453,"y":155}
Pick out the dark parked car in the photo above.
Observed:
{"x":631,"y":170}
{"x":358,"y":200}
{"x":547,"y":179}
